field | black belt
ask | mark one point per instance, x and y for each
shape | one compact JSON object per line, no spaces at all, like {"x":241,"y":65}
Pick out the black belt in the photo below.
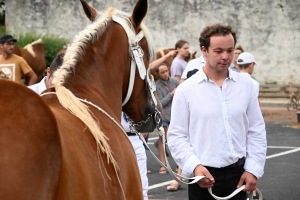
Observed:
{"x":130,"y":134}
{"x":240,"y":162}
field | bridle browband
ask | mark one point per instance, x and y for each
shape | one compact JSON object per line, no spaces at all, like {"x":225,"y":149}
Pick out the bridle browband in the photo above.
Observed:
{"x":136,"y":60}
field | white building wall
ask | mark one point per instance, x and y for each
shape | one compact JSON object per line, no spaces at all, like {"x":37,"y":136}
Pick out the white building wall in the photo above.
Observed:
{"x":269,"y":29}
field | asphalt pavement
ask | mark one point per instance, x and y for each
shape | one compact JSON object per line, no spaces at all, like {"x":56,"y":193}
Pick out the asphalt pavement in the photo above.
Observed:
{"x":281,"y":180}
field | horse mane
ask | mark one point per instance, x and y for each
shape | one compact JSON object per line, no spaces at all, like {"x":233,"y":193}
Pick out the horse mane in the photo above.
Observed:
{"x":161,"y":52}
{"x":29,"y":47}
{"x":73,"y":53}
{"x":89,"y":35}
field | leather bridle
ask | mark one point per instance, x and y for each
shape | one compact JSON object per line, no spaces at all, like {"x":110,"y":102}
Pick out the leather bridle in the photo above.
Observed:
{"x":136,"y":61}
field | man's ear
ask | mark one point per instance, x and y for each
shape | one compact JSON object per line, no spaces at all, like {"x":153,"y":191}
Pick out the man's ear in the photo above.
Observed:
{"x":204,"y":50}
{"x":48,"y":72}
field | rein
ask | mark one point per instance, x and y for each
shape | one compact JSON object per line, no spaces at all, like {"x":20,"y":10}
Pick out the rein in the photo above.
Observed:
{"x":136,"y":60}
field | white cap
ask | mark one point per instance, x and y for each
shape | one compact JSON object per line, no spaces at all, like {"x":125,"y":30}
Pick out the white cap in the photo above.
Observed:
{"x":245,"y":58}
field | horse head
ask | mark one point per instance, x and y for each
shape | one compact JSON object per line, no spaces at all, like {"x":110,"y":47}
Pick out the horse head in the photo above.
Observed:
{"x":106,"y":55}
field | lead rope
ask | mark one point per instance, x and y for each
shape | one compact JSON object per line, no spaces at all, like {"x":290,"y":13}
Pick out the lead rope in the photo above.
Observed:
{"x":167,"y":166}
{"x":195,"y":179}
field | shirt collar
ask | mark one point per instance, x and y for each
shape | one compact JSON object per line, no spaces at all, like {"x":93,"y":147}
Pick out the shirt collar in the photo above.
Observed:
{"x":201,"y":76}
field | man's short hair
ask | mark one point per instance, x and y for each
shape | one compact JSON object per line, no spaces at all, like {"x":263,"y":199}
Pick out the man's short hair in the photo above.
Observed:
{"x":191,"y":73}
{"x":215,"y":30}
{"x":244,"y":66}
{"x":239,"y":47}
{"x":56,"y":63}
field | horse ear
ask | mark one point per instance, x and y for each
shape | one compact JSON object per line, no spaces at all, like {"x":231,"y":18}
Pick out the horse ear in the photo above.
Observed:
{"x":139,"y":12}
{"x":90,"y":12}
{"x":194,"y":54}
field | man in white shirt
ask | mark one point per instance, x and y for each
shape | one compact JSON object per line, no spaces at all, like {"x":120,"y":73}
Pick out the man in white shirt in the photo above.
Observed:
{"x":217,"y":129}
{"x":197,"y":63}
{"x":140,"y":153}
{"x":246,"y":64}
{"x":46,"y":82}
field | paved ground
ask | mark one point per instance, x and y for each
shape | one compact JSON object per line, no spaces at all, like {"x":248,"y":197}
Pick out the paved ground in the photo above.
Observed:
{"x":282,"y":170}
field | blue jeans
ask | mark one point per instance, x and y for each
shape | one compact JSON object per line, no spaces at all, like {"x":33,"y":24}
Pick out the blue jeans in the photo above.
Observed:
{"x":166,"y":124}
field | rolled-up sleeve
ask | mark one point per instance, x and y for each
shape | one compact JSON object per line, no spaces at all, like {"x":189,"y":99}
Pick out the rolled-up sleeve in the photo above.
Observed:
{"x":256,"y":139}
{"x":178,"y":134}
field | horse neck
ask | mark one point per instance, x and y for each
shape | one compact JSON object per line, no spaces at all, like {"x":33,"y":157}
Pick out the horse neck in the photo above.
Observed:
{"x":99,"y":75}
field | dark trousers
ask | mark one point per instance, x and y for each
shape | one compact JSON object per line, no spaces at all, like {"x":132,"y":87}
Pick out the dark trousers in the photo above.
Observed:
{"x":226,"y":180}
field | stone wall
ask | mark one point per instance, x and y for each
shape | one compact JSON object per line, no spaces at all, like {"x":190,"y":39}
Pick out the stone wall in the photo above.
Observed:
{"x":269,"y":29}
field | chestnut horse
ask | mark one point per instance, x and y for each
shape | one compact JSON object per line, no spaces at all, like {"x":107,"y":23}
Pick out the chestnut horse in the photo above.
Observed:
{"x":69,"y":144}
{"x":161,"y":52}
{"x":34,"y":54}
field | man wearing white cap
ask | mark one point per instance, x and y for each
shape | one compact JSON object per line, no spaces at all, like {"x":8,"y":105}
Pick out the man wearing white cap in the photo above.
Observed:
{"x":246,"y":64}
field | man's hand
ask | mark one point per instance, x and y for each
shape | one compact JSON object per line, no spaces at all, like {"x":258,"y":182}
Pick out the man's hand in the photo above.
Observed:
{"x":205,"y":182}
{"x":145,"y":134}
{"x":249,"y":179}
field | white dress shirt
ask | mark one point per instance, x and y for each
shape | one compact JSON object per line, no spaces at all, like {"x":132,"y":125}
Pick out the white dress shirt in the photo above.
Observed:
{"x":39,"y":87}
{"x":215,"y":127}
{"x":255,"y":83}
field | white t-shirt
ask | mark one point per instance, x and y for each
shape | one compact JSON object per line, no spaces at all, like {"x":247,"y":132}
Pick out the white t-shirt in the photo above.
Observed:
{"x":39,"y":87}
{"x":177,"y":67}
{"x":255,"y":83}
{"x":197,"y":63}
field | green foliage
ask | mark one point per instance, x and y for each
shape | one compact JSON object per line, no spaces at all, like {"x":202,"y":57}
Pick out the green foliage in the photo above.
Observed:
{"x":52,"y":44}
{"x":2,"y":30}
{"x":52,"y":47}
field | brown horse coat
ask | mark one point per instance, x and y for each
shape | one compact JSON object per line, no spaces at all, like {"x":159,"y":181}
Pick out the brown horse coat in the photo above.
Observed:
{"x":30,"y":149}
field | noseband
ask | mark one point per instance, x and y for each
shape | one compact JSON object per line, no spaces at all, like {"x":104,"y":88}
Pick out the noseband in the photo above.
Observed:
{"x":136,"y":60}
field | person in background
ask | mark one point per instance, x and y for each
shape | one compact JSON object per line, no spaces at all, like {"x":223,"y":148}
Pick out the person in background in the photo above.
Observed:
{"x":13,"y":67}
{"x":217,"y":128}
{"x":237,"y":51}
{"x":46,"y":82}
{"x":165,"y":88}
{"x":140,"y":153}
{"x":179,"y":63}
{"x":154,"y":64}
{"x":197,"y":63}
{"x":246,"y":64}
